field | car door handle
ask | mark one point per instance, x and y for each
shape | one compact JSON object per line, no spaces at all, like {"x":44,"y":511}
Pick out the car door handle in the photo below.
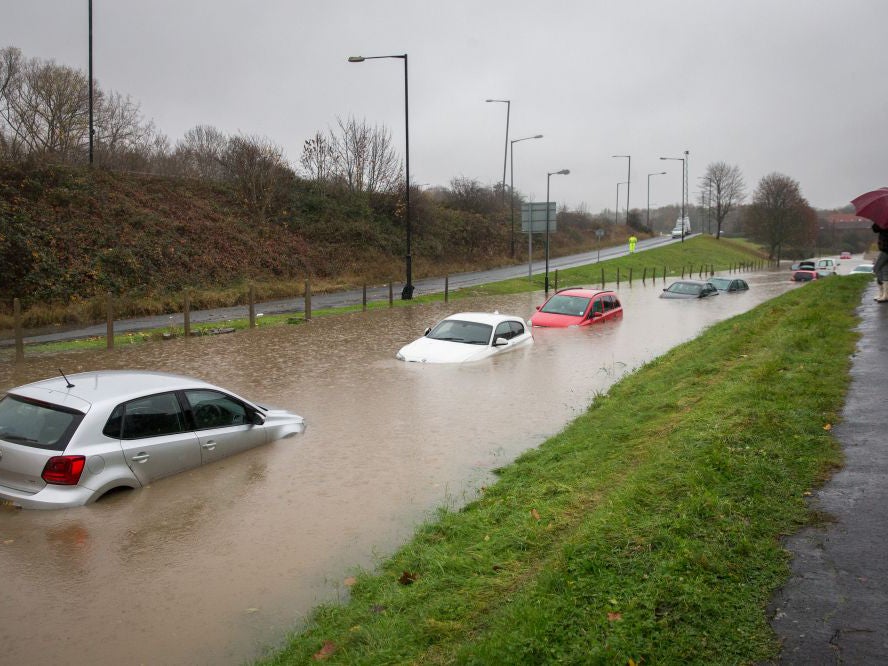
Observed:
{"x":209,"y":445}
{"x":141,"y":457}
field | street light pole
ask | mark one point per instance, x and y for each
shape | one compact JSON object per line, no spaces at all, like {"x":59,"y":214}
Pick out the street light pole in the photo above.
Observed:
{"x":90,"y":82}
{"x":683,"y":180}
{"x":549,"y":175}
{"x":628,"y":182}
{"x":407,"y":291}
{"x":508,"y":104}
{"x":512,"y":189}
{"x":658,"y":173}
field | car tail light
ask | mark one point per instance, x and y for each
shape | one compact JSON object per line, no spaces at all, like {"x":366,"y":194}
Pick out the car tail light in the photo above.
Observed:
{"x":64,"y":470}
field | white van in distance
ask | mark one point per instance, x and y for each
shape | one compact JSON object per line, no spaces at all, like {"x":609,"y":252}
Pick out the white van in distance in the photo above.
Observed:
{"x":680,"y":229}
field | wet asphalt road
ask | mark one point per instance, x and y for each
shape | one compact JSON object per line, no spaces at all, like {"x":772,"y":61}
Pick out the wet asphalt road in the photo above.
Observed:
{"x":834,"y":609}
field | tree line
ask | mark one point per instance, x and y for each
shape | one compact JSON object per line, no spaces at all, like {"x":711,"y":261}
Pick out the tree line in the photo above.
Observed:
{"x":44,"y":117}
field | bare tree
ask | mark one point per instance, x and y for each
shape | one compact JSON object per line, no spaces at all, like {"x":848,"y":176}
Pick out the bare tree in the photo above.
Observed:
{"x":43,"y":108}
{"x":44,"y":114}
{"x":722,"y":191}
{"x":780,"y":215}
{"x":355,"y":154}
{"x":200,"y":153}
{"x":258,"y":169}
{"x":470,"y":195}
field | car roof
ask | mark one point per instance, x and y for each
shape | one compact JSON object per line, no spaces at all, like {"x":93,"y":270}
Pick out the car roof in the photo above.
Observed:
{"x":491,"y":318}
{"x":90,"y":388}
{"x":582,"y":291}
{"x":700,"y":282}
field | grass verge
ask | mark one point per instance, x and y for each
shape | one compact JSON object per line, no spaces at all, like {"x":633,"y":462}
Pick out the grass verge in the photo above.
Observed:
{"x":648,"y":531}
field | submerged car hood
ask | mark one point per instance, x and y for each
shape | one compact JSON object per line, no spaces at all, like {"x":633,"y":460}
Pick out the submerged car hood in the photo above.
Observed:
{"x":428,"y":350}
{"x":554,"y":320}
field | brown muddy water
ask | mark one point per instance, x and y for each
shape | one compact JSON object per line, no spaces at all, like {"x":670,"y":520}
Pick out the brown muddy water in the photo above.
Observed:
{"x":215,"y":566}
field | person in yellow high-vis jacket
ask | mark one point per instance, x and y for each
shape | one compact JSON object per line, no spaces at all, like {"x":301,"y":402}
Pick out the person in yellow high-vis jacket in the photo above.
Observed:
{"x":632,"y":241}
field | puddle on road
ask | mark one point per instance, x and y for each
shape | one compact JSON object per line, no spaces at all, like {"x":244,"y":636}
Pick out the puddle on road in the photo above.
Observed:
{"x":214,"y":565}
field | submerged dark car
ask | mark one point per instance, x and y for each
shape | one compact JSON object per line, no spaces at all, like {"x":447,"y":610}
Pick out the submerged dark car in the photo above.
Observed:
{"x":689,"y":289}
{"x":729,"y":284}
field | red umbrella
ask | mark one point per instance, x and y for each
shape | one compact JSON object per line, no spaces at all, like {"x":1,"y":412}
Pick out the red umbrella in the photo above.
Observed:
{"x":873,"y":206}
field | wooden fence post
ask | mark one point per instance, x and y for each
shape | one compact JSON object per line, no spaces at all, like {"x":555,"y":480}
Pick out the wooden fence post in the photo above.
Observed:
{"x":391,"y":295}
{"x":186,"y":315}
{"x":630,"y":277}
{"x":19,"y":340}
{"x":602,"y":278}
{"x":109,"y":336}
{"x":308,"y":300}
{"x":556,"y":279}
{"x":364,"y":298}
{"x":644,"y":276}
{"x":446,"y":288}
{"x":251,"y":298}
{"x":618,"y":277}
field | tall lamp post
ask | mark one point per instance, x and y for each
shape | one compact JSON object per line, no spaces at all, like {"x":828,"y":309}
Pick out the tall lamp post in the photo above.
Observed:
{"x":658,"y":173}
{"x":90,"y":82}
{"x":683,"y":181}
{"x":628,"y":181}
{"x":512,"y":187}
{"x":617,"y":208}
{"x":407,"y":291}
{"x":549,"y":175}
{"x":508,"y":104}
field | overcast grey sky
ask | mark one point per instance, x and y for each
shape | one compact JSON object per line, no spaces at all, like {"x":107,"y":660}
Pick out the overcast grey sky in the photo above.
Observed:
{"x":793,"y":86}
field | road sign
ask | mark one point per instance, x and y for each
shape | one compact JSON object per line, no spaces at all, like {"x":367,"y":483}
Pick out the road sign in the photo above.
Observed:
{"x":535,"y":213}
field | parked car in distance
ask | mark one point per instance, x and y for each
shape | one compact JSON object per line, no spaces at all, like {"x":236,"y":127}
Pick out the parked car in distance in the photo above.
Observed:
{"x":805,"y":265}
{"x":804,"y":275}
{"x":728,"y":284}
{"x":827,"y":265}
{"x":468,"y":336}
{"x":67,"y":441}
{"x":845,"y":255}
{"x":862,"y":268}
{"x":689,"y":289}
{"x":577,"y":306}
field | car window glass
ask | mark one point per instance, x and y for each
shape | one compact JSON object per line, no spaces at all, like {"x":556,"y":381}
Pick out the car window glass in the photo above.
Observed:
{"x":151,"y":416}
{"x":517,"y":328}
{"x":36,"y":424}
{"x":597,"y":306}
{"x":503,"y":330}
{"x":566,"y":305}
{"x":457,"y":330}
{"x":212,"y":409}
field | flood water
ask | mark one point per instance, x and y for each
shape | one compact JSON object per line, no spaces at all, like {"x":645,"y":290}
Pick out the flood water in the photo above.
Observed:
{"x":216,"y":565}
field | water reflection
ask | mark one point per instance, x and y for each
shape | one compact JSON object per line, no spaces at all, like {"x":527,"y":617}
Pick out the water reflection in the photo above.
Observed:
{"x":211,"y":565}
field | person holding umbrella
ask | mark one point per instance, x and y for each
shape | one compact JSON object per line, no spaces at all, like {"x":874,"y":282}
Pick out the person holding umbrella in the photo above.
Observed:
{"x":880,"y":266}
{"x":874,"y":206}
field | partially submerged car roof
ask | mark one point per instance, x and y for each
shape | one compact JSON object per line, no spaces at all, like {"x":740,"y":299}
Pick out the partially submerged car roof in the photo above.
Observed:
{"x":491,"y":318}
{"x":583,"y":291}
{"x":82,"y":389}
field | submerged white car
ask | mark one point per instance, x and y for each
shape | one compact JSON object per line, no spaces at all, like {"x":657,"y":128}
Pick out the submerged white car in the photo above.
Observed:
{"x":468,"y":336}
{"x":67,"y":441}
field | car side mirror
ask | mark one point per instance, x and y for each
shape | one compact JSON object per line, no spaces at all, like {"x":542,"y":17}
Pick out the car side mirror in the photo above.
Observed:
{"x":427,"y":331}
{"x":500,"y":342}
{"x":257,"y":419}
{"x":539,"y":306}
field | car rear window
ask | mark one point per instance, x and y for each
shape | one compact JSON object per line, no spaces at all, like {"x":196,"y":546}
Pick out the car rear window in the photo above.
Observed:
{"x":35,"y":423}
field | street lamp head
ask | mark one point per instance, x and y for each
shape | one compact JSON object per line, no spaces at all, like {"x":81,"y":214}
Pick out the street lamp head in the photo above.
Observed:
{"x":563,"y":172}
{"x":356,"y":59}
{"x":538,"y":136}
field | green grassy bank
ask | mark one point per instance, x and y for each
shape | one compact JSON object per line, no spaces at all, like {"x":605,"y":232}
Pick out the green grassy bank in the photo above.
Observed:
{"x":648,"y":531}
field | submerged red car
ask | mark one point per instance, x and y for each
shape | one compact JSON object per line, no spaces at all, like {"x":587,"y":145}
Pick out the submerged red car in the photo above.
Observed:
{"x":577,"y":306}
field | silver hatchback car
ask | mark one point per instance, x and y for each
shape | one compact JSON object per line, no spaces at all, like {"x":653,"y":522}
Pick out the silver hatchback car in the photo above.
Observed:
{"x":67,"y":441}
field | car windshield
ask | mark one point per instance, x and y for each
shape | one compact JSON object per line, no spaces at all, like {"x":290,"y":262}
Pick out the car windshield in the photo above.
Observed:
{"x":720,"y":282}
{"x":689,"y":288}
{"x":566,"y":305}
{"x":457,"y":330}
{"x":36,"y":424}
